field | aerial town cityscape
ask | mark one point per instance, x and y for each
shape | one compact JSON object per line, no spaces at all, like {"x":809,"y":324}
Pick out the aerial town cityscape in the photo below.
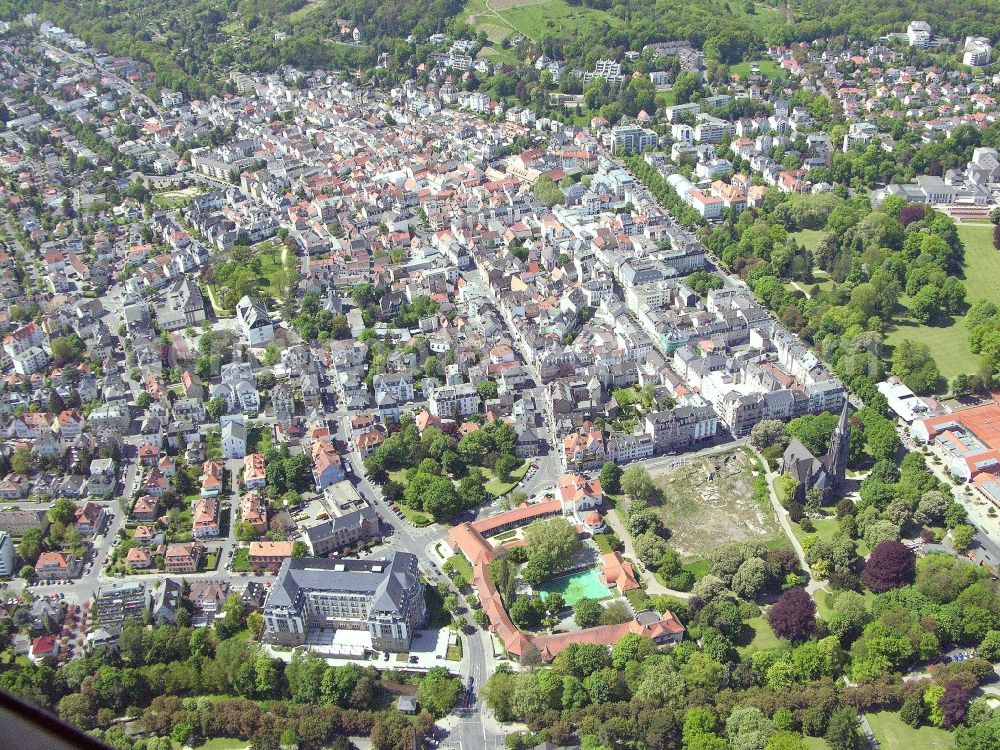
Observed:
{"x":525,"y":374}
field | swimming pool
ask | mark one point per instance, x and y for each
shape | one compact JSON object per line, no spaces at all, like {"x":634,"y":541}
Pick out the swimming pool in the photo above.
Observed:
{"x":584,"y":584}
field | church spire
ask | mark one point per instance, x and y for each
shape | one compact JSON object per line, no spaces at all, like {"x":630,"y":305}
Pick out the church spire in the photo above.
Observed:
{"x":836,"y":458}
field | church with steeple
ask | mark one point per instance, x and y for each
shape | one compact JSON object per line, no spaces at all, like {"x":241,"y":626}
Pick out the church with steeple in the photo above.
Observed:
{"x":825,"y":473}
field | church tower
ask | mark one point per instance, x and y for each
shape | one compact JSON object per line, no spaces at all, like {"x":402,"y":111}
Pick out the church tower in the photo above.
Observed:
{"x":836,"y":458}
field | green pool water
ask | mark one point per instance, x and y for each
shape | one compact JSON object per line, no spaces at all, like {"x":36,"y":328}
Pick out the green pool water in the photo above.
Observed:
{"x":585,"y":584}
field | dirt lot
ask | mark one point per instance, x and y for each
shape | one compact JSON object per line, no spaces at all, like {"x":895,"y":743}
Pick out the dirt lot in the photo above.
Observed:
{"x":710,"y":502}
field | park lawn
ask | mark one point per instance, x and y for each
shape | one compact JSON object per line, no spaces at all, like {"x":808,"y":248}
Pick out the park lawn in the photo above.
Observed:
{"x":538,"y":18}
{"x":223,"y":743}
{"x":893,"y":734}
{"x":462,"y":565}
{"x":711,"y":501}
{"x":666,"y":98}
{"x":497,"y":488}
{"x":455,"y":652}
{"x":698,"y":568}
{"x":810,"y":238}
{"x":764,"y":638}
{"x":416,"y":517}
{"x":815,"y":743}
{"x":305,"y":10}
{"x":949,"y":343}
{"x":981,"y":278}
{"x":769,"y":68}
{"x":241,"y":559}
{"x":273,"y":275}
{"x":169,"y":199}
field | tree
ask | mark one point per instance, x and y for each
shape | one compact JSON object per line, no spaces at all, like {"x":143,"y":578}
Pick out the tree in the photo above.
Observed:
{"x":615,"y":613}
{"x":768,"y":432}
{"x":587,"y":613}
{"x":552,"y":544}
{"x":610,"y":477}
{"x":487,"y":390}
{"x":245,"y":532}
{"x":392,"y":731}
{"x":505,"y":465}
{"x":62,"y":512}
{"x":962,"y":537}
{"x":21,"y":461}
{"x":848,"y":615}
{"x":748,"y":729}
{"x":954,"y":703}
{"x":215,"y":407}
{"x":30,"y":546}
{"x":890,"y":565}
{"x":438,"y":692}
{"x":843,"y":731}
{"x":637,"y":484}
{"x":751,"y":579}
{"x":26,"y":572}
{"x":913,"y":363}
{"x":299,"y":548}
{"x":793,"y":616}
{"x":687,"y":86}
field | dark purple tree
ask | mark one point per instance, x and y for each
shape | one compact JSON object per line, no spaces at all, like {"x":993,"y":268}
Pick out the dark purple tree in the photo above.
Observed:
{"x":793,"y":616}
{"x":996,"y":237}
{"x":911,"y":213}
{"x":889,"y":566}
{"x":954,"y":703}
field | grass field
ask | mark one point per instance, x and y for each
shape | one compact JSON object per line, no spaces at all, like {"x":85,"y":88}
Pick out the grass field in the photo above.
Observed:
{"x":169,"y":199}
{"x":532,"y":18}
{"x":304,"y":11}
{"x":808,"y":237}
{"x":709,"y":502}
{"x":768,"y":68}
{"x":816,"y":743}
{"x":497,"y":488}
{"x":949,"y":343}
{"x":764,"y":638}
{"x":893,"y":734}
{"x":461,"y":565}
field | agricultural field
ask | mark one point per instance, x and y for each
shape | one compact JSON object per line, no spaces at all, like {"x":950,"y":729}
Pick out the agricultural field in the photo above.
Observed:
{"x":949,"y":343}
{"x":710,"y":502}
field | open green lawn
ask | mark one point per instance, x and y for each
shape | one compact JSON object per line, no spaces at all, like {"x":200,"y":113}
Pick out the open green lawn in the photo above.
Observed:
{"x":304,"y":11}
{"x":949,"y":343}
{"x":416,"y":517}
{"x":764,"y":638}
{"x":462,"y":565}
{"x":710,"y":501}
{"x":272,"y":273}
{"x":169,"y":199}
{"x":768,"y":68}
{"x":532,"y":18}
{"x":808,"y":237}
{"x":893,"y":734}
{"x":241,"y":559}
{"x":223,"y":743}
{"x":496,"y":488}
{"x":816,"y":743}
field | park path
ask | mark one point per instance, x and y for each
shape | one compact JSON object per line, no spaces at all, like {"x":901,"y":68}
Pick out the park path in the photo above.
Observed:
{"x":785,"y":521}
{"x":653,"y":586}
